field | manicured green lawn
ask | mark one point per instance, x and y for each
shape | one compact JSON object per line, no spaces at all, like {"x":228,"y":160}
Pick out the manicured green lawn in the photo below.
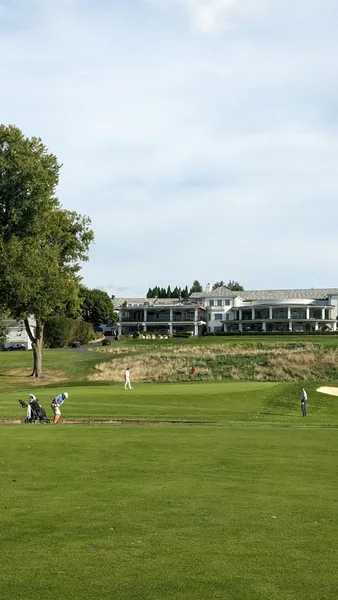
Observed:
{"x":223,"y":402}
{"x":71,"y":362}
{"x":243,"y":507}
{"x":168,"y":513}
{"x":196,"y":401}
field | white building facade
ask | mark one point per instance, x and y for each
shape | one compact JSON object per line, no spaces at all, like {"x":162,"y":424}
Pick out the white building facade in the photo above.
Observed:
{"x":17,"y":334}
{"x":270,"y":311}
{"x":167,"y":316}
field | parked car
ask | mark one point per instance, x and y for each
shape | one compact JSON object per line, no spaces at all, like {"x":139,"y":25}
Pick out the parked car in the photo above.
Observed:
{"x":15,"y":347}
{"x":75,"y":344}
{"x":106,"y":342}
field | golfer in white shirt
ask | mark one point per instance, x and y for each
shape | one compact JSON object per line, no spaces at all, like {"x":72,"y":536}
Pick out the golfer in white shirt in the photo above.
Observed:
{"x":303,"y":401}
{"x":127,"y":379}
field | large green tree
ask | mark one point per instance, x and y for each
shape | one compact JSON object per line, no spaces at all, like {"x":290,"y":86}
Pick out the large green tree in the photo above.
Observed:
{"x":3,"y":330}
{"x":97,"y":307}
{"x":41,"y":243}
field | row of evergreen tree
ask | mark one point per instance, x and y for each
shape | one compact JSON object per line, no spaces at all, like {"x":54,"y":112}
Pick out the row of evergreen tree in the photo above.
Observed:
{"x":176,"y":292}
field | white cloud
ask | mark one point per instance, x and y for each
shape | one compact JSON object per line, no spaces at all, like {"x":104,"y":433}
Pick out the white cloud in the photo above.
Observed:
{"x":214,"y":16}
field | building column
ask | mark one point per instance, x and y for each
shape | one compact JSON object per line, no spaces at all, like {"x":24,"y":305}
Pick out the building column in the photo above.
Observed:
{"x":240,"y":314}
{"x":316,"y":326}
{"x":323,"y":314}
{"x":252,"y":314}
{"x":225,"y":328}
{"x":270,"y":312}
{"x":264,"y":326}
{"x":290,"y":325}
{"x":240,"y":327}
{"x":119,"y":329}
{"x":171,"y":318}
{"x":196,"y":322}
{"x":145,"y":316}
{"x":334,"y":326}
{"x":289,"y":313}
{"x":307,"y":313}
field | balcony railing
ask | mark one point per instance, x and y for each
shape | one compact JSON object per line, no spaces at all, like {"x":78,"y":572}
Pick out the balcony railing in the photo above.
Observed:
{"x":291,"y":318}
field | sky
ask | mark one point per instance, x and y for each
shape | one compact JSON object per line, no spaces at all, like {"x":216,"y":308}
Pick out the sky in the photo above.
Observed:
{"x":200,"y":136}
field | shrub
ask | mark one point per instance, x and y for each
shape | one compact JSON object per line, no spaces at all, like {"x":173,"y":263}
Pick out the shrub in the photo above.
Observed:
{"x":60,"y":331}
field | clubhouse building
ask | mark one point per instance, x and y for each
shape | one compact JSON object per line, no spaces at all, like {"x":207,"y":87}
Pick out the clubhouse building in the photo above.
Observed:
{"x":171,"y":317}
{"x":223,"y":310}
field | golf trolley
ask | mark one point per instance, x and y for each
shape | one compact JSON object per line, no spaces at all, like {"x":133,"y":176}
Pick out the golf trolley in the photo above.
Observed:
{"x":35,"y":412}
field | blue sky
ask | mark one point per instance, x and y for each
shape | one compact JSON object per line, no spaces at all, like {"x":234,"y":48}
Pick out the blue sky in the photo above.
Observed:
{"x":199,"y":135}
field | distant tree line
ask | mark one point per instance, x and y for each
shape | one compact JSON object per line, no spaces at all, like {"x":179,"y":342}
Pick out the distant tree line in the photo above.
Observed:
{"x":161,"y":292}
{"x":178,"y":292}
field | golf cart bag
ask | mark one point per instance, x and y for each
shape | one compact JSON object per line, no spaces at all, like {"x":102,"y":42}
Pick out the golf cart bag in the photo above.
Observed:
{"x":35,"y":412}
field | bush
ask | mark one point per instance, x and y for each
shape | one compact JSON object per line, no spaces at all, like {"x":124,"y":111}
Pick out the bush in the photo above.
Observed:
{"x":60,"y":331}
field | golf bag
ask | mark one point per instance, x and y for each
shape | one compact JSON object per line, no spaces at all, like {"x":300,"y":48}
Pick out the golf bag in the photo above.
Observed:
{"x":35,"y":412}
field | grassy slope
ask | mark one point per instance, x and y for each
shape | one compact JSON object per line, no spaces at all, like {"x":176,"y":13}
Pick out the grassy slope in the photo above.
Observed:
{"x":244,"y":359}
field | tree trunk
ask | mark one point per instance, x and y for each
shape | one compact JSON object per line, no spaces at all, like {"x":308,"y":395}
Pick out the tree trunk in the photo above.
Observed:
{"x":37,"y":345}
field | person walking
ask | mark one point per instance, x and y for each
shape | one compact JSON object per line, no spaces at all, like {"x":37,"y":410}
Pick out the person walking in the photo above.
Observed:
{"x":56,"y":403}
{"x":303,"y":401}
{"x":127,"y":379}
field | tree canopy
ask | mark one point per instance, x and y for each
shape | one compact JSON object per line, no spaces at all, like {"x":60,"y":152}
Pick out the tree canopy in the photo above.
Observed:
{"x":161,"y":292}
{"x":41,"y":243}
{"x":234,"y":286}
{"x":218,"y":284}
{"x":97,"y":307}
{"x":3,"y":330}
{"x":196,"y":287}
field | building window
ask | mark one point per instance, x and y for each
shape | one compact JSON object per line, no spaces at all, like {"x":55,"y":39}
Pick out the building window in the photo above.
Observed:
{"x":227,"y":302}
{"x":219,"y":302}
{"x":218,"y":317}
{"x":211,"y":303}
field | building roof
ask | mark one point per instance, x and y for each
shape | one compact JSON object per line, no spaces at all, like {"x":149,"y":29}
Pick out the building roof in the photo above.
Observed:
{"x":222,"y":291}
{"x":247,"y":295}
{"x":300,"y":294}
{"x":118,"y":302}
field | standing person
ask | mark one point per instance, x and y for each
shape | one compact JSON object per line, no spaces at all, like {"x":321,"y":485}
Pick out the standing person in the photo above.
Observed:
{"x":58,"y":400}
{"x":127,"y":379}
{"x":303,"y":401}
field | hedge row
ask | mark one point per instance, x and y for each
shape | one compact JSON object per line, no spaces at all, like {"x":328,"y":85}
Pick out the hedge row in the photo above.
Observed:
{"x":270,"y":333}
{"x":61,"y":331}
